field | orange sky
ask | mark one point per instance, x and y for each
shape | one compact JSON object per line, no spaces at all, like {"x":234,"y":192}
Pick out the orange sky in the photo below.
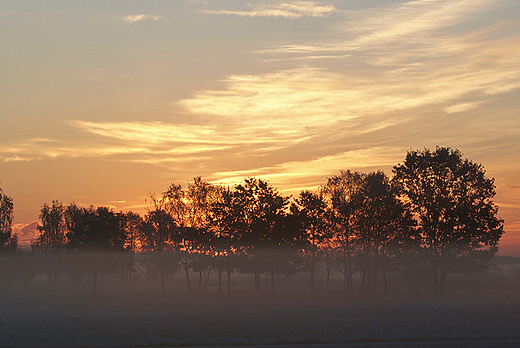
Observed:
{"x":103,"y":102}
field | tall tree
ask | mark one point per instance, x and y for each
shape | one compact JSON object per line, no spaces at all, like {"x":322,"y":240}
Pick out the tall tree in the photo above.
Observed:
{"x":340,"y":190}
{"x":381,"y":222}
{"x":158,"y":244}
{"x":260,"y":213}
{"x":190,"y":209}
{"x":310,"y":211}
{"x":224,"y":224}
{"x":8,"y":241}
{"x":451,"y":198}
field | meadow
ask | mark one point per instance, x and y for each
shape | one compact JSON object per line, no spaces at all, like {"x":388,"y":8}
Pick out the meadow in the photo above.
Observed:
{"x":476,"y":311}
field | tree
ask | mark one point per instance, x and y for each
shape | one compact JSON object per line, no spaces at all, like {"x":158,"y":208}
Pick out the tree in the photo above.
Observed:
{"x":190,"y":209}
{"x":94,"y":229}
{"x":94,"y":237}
{"x":259,"y":216}
{"x":340,"y":190}
{"x":381,"y":223}
{"x":158,"y":243}
{"x":224,"y":222}
{"x":53,"y":227}
{"x":310,"y":211}
{"x":8,"y":241}
{"x":451,"y":198}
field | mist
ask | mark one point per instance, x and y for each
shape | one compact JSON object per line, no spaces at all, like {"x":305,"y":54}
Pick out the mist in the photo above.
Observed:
{"x":93,"y":301}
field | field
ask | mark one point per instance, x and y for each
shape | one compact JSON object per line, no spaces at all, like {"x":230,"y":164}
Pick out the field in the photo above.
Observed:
{"x":42,"y":316}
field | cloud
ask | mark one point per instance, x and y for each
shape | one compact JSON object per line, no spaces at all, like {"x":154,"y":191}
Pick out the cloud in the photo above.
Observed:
{"x":403,"y":25}
{"x":296,"y":175}
{"x":461,"y":107}
{"x":293,"y":9}
{"x":26,"y":233}
{"x":140,"y":17}
{"x":395,"y":58}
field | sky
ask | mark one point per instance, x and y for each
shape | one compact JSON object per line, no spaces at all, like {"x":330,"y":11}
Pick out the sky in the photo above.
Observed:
{"x":102,"y":102}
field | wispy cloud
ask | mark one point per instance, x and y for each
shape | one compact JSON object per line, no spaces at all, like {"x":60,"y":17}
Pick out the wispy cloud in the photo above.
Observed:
{"x":292,"y":9}
{"x":161,"y":134}
{"x":140,"y":17}
{"x":396,"y":58}
{"x":295,"y":175}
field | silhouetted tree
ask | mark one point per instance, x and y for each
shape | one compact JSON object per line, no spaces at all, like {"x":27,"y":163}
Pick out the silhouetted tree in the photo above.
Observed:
{"x":224,"y":226}
{"x":8,"y":241}
{"x":190,"y":209}
{"x":381,"y":222}
{"x":259,"y":216}
{"x":340,"y":190}
{"x":51,"y":240}
{"x":92,"y":233}
{"x":53,"y":227}
{"x":158,"y":235}
{"x":452,"y":199}
{"x":309,"y":210}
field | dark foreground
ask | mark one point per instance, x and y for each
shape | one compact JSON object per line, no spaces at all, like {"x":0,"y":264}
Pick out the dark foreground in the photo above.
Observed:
{"x":242,"y":318}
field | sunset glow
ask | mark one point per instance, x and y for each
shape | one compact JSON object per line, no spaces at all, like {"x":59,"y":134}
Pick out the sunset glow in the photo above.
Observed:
{"x":102,"y":103}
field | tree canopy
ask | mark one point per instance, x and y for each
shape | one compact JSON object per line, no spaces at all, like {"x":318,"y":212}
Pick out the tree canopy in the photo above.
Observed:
{"x":451,"y":198}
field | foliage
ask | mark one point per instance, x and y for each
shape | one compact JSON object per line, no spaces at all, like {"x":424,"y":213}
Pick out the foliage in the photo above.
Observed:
{"x":8,"y":241}
{"x":451,"y":197}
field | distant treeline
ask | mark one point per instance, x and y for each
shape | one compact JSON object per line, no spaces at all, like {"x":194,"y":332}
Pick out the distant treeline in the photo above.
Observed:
{"x":434,"y":216}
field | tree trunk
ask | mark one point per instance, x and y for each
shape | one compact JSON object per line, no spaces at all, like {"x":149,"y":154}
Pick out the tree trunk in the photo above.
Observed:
{"x":219,"y":279}
{"x":257,"y":281}
{"x":228,"y":281}
{"x":186,"y":269}
{"x":435,"y":280}
{"x":200,"y":280}
{"x":350,"y":283}
{"x":363,"y":280}
{"x":442,"y":281}
{"x":94,"y":287}
{"x":312,"y":286}
{"x":161,"y":275}
{"x":385,"y":289}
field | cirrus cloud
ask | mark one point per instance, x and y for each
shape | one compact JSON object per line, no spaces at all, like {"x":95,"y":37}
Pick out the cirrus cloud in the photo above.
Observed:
{"x":293,"y":9}
{"x":140,"y":17}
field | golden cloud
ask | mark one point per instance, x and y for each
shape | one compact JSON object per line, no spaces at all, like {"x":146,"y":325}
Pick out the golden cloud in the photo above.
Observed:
{"x":293,"y":9}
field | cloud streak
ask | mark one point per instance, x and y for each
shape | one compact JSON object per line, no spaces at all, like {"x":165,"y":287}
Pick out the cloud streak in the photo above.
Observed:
{"x":140,"y":17}
{"x":296,"y":175}
{"x":291,"y":10}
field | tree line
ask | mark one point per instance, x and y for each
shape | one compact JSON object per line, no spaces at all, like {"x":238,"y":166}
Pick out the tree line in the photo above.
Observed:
{"x":434,"y":216}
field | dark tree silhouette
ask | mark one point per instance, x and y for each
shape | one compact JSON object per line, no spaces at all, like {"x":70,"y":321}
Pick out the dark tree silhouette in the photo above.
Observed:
{"x":51,"y":240}
{"x":224,"y":226}
{"x":340,"y":190}
{"x":94,"y":235}
{"x":157,"y":237}
{"x":310,"y":211}
{"x":259,"y":212}
{"x":53,"y":227}
{"x":452,"y":199}
{"x":94,"y":229}
{"x":8,"y":241}
{"x":190,"y":209}
{"x":381,"y":222}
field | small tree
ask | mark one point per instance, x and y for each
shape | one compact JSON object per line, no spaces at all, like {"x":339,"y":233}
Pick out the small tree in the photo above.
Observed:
{"x":8,"y":241}
{"x":53,"y":227}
